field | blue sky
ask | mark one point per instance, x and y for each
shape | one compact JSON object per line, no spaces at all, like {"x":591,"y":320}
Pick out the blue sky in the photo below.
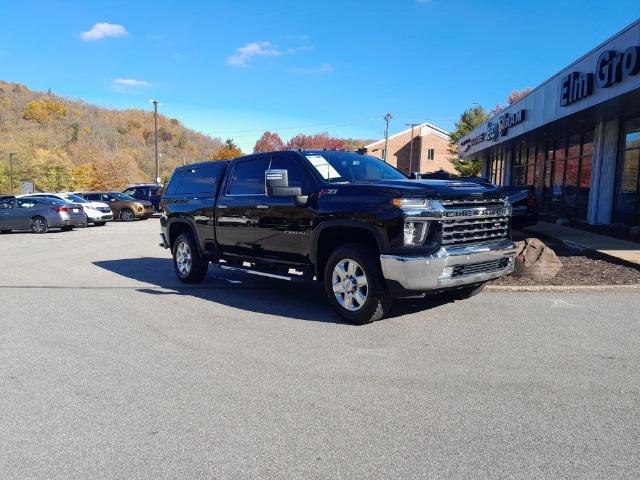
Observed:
{"x":237,"y":68}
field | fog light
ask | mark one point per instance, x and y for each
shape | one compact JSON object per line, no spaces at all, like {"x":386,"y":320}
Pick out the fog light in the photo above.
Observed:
{"x":447,"y":271}
{"x":415,"y":232}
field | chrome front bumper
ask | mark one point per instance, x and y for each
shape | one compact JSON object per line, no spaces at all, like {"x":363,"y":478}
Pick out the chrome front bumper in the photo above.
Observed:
{"x":446,"y":268}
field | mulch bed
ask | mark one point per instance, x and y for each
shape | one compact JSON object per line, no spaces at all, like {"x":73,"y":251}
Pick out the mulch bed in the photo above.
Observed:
{"x":581,"y":268}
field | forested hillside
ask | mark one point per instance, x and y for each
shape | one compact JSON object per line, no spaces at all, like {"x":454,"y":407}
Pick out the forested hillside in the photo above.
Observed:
{"x":68,"y":144}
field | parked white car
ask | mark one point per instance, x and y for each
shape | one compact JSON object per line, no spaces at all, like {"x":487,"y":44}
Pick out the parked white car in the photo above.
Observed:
{"x":97,"y":213}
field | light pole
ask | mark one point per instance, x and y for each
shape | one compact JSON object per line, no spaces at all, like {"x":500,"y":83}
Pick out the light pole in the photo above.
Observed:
{"x":387,"y":118}
{"x":411,"y":145}
{"x":155,"y":136}
{"x":11,"y":155}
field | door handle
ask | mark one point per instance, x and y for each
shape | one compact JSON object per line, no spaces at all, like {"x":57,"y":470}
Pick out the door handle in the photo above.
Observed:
{"x":221,"y":206}
{"x":262,"y":207}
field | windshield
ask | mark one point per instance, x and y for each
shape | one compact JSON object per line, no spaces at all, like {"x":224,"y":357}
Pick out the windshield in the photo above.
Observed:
{"x":122,"y":196}
{"x":347,"y":167}
{"x":71,"y":197}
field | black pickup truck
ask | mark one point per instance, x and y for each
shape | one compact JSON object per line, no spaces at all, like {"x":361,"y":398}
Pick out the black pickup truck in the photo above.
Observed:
{"x":350,"y":221}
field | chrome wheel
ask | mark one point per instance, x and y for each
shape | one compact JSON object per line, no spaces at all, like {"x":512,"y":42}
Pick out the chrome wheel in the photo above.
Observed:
{"x":126,"y":215}
{"x":38,"y":225}
{"x":350,"y":285}
{"x":184,"y":259}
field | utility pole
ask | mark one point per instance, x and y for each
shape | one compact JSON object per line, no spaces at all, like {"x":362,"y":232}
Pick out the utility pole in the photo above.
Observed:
{"x":11,"y":155}
{"x":387,"y":118}
{"x":155,"y":136}
{"x":412,"y":125}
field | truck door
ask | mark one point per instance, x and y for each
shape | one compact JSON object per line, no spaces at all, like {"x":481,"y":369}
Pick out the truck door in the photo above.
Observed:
{"x":283,"y":226}
{"x":195,"y":194}
{"x":237,"y":205}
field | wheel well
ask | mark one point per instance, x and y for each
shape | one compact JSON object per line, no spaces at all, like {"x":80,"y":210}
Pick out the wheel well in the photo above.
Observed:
{"x":334,"y":237}
{"x":177,"y":229}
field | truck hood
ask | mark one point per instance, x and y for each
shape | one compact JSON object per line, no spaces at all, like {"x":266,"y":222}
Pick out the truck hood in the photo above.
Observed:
{"x":428,"y":188}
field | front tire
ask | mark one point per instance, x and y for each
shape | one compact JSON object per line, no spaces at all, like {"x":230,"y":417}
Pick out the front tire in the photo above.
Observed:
{"x":189,"y":265}
{"x":126,"y":215}
{"x":39,"y":225}
{"x":354,"y":285}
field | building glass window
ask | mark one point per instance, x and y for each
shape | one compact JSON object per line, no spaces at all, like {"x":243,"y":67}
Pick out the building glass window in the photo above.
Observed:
{"x":627,"y":205}
{"x":430,"y":154}
{"x":496,"y":165}
{"x":560,"y":170}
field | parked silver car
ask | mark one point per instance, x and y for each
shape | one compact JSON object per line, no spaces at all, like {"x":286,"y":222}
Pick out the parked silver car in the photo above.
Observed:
{"x":39,"y":215}
{"x":98,"y":213}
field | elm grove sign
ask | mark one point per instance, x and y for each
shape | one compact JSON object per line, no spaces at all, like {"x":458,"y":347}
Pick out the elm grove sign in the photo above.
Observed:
{"x":612,"y":67}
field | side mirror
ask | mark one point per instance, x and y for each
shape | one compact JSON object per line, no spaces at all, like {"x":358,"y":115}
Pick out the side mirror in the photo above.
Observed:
{"x":276,"y":183}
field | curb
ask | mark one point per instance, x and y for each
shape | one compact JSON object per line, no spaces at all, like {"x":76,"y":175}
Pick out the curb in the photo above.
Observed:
{"x":562,"y":288}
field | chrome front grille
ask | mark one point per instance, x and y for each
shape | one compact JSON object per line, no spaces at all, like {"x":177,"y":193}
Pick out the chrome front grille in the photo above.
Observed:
{"x":472,"y":202}
{"x":484,"y":267}
{"x":468,"y":221}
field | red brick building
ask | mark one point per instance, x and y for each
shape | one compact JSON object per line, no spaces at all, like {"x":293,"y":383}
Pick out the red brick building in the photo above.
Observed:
{"x":430,"y":149}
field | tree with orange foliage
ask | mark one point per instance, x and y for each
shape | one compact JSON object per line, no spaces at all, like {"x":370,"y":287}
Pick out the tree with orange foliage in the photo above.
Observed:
{"x":228,"y":151}
{"x":268,"y":142}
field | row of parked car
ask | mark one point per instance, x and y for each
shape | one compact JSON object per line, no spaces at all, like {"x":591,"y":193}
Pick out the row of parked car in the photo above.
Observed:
{"x":40,"y":212}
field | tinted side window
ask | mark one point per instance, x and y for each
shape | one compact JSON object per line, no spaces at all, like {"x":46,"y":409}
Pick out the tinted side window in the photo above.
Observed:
{"x":92,"y":196}
{"x":174,"y":181}
{"x":200,"y":180}
{"x":248,"y":177}
{"x":105,"y":197}
{"x":128,"y":191}
{"x":298,"y":177}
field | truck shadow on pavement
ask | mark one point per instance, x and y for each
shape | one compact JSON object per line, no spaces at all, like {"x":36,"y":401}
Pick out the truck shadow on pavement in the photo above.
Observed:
{"x":302,"y":301}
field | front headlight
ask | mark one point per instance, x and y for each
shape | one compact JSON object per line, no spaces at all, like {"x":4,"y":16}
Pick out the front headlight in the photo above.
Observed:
{"x":410,"y":203}
{"x":415,"y":231}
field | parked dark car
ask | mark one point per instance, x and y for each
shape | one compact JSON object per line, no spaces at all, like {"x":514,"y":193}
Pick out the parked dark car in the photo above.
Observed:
{"x":123,"y":206}
{"x":146,"y":191}
{"x":39,"y":215}
{"x":353,"y":222}
{"x":524,"y":205}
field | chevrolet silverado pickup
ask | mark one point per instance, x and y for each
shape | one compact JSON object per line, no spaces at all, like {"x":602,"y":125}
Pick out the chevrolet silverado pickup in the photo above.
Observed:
{"x":350,"y":221}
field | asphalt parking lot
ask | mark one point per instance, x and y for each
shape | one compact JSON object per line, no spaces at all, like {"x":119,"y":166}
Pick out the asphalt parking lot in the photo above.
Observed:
{"x":109,"y":368}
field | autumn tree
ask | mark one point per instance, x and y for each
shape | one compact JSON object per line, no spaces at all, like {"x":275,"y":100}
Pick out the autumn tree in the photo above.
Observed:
{"x":51,"y":170}
{"x":517,"y":95}
{"x":228,"y":151}
{"x":317,"y":141}
{"x":470,"y":119}
{"x":44,"y":110}
{"x":115,"y":171}
{"x":269,"y":142}
{"x":84,"y":176}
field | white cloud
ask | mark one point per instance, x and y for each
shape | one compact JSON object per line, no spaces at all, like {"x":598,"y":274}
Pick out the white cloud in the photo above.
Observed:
{"x":325,"y":68}
{"x":131,"y":82}
{"x":104,"y":30}
{"x":130,"y":85}
{"x":253,"y":49}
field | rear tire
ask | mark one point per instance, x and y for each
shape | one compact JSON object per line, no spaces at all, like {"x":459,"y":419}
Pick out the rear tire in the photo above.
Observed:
{"x":39,"y":225}
{"x":126,"y":215}
{"x":5,"y":231}
{"x":466,"y":292}
{"x":189,"y":265}
{"x":354,"y":285}
{"x":99,"y":224}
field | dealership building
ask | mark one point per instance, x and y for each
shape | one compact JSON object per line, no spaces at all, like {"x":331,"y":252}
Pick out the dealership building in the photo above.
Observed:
{"x":575,"y":138}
